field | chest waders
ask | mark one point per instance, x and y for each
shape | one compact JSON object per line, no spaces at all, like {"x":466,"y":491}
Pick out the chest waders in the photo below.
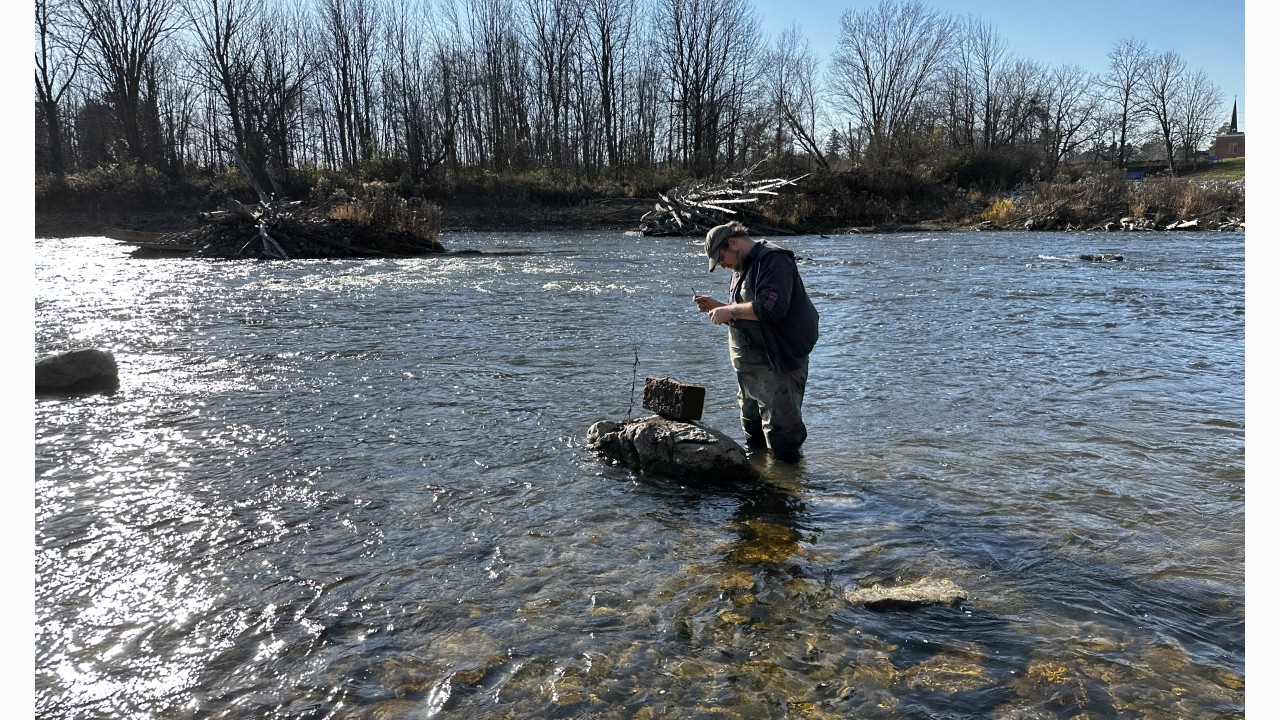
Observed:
{"x":768,"y":401}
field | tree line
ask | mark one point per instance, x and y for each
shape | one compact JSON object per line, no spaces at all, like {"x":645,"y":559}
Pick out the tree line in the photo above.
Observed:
{"x":419,"y":89}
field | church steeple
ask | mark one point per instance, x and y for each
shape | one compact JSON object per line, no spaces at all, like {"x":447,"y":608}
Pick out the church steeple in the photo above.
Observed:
{"x":1233,"y":117}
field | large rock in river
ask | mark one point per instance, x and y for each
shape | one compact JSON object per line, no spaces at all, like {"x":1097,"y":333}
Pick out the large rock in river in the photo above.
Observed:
{"x":77,"y":371}
{"x":683,"y":450}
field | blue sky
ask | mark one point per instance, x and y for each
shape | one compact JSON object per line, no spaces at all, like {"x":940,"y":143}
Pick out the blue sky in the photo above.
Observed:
{"x":1209,"y":36}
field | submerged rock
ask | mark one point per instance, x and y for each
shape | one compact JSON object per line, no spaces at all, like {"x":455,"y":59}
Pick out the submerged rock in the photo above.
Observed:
{"x":921,"y":592}
{"x":679,"y":449}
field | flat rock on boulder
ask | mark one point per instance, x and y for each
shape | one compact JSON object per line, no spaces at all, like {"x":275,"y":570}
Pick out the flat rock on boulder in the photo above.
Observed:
{"x":674,"y":399}
{"x":682,"y":450}
{"x":77,"y":371}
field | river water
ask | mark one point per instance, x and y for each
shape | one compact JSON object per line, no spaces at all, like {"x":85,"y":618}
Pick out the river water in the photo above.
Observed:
{"x":360,"y":489}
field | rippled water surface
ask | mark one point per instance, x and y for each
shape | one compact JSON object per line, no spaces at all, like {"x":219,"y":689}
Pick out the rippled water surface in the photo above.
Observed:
{"x":359,"y":489}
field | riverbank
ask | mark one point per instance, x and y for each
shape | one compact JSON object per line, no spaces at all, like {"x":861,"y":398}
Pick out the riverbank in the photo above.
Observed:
{"x":620,"y":215}
{"x":834,"y":205}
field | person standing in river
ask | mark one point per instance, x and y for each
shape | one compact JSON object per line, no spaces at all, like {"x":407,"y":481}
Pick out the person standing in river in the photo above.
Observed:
{"x":773,"y":326}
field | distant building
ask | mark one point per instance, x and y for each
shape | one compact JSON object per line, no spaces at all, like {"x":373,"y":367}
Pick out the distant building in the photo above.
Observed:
{"x":1231,"y":143}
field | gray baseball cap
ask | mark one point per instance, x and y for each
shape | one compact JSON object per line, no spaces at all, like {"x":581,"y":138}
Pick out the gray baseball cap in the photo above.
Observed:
{"x":716,"y":237}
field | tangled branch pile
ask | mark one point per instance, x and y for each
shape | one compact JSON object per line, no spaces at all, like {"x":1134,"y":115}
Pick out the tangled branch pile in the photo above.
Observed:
{"x":695,"y":209}
{"x":292,"y":230}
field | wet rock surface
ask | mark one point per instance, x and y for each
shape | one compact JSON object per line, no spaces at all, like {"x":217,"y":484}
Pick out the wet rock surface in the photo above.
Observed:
{"x":674,"y":399}
{"x":87,"y":370}
{"x":683,"y":450}
{"x":927,"y":591}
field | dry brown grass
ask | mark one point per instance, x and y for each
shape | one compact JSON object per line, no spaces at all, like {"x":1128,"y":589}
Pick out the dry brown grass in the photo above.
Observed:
{"x":1106,"y":197}
{"x":999,"y":211}
{"x":378,"y":206}
{"x":1163,"y":198}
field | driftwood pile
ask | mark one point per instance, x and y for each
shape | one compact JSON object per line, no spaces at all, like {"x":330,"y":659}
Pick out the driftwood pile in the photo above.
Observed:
{"x":696,"y":208}
{"x":280,"y":230}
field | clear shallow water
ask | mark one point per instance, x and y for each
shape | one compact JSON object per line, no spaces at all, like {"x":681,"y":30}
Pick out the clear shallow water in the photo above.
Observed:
{"x":339,"y":489}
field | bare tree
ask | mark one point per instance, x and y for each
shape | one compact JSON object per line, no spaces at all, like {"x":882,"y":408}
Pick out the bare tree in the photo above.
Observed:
{"x":496,"y":106}
{"x":610,"y":27}
{"x":413,"y":92}
{"x":223,"y":47}
{"x":885,"y":61}
{"x":969,"y":93}
{"x":707,"y":49}
{"x":642,"y":137}
{"x":790,"y":78}
{"x":429,"y":87}
{"x":255,"y":69}
{"x":452,"y":60}
{"x":993,"y":68}
{"x":1198,"y":110}
{"x":177,"y":100}
{"x":1161,"y":91}
{"x":348,"y":39}
{"x":1019,"y":107}
{"x":124,"y":36}
{"x":59,"y":51}
{"x":1071,"y":109}
{"x":553,"y":31}
{"x":285,"y":71}
{"x":967,"y":79}
{"x":1125,"y":67}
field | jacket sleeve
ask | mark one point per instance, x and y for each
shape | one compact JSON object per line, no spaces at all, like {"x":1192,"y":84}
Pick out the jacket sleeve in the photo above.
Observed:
{"x":773,"y":286}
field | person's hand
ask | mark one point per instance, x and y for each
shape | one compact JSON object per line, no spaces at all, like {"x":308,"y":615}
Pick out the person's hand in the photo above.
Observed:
{"x":720,"y":314}
{"x":706,"y":303}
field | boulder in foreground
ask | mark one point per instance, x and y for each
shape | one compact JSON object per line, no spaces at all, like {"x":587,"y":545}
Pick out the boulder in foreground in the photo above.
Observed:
{"x":77,"y":371}
{"x":682,"y":450}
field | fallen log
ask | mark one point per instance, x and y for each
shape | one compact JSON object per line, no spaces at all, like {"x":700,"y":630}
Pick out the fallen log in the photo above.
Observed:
{"x":696,"y":208}
{"x":134,"y":236}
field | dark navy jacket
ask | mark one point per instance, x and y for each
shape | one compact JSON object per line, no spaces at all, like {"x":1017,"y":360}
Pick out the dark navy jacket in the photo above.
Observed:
{"x":788,"y":320}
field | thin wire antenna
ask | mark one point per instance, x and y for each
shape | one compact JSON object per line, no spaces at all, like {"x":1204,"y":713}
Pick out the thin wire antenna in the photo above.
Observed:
{"x":635,"y":368}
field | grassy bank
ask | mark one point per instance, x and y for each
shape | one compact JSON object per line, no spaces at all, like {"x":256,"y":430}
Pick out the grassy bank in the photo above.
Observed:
{"x":1231,"y":169}
{"x":867,"y":199}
